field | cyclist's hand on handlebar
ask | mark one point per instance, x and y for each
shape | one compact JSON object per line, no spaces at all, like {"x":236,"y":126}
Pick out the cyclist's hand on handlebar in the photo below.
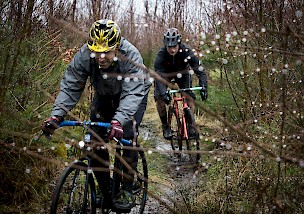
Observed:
{"x":204,"y":93}
{"x":49,"y":125}
{"x":166,"y":98}
{"x":115,"y":130}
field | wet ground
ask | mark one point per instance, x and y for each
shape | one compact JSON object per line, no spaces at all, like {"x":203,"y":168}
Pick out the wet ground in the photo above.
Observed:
{"x":183,"y":182}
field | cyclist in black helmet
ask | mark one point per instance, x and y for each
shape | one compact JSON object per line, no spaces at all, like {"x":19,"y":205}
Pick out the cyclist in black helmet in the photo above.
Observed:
{"x":121,"y":91}
{"x":176,"y":61}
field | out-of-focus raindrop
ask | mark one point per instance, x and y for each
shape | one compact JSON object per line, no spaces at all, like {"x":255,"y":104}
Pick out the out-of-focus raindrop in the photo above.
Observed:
{"x":224,"y":61}
{"x":203,"y":35}
{"x":27,"y":171}
{"x":299,"y":13}
{"x":127,"y":79}
{"x":119,"y":77}
{"x":284,"y":71}
{"x":298,"y":62}
{"x":179,"y":75}
{"x":105,"y":76}
{"x":228,"y":146}
{"x":81,"y":144}
{"x":92,"y":55}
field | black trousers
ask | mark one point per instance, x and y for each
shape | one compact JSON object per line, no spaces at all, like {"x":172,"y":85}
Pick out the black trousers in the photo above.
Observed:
{"x":103,"y":110}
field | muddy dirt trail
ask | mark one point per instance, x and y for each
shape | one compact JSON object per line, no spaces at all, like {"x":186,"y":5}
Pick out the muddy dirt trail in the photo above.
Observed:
{"x":181,"y":187}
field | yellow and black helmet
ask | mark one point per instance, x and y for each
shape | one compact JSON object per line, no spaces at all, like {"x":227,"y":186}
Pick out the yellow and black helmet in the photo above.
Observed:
{"x":104,"y":36}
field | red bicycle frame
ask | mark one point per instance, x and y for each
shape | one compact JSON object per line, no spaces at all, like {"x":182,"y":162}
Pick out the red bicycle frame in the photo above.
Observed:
{"x":184,"y":105}
{"x":177,"y":101}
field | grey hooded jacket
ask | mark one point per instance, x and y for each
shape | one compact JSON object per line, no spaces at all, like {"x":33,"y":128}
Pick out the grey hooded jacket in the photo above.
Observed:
{"x":119,"y":79}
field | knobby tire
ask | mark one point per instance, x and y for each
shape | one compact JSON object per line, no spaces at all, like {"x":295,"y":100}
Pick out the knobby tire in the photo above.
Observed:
{"x":75,"y":191}
{"x":175,"y":125}
{"x":193,"y":141}
{"x":140,"y":182}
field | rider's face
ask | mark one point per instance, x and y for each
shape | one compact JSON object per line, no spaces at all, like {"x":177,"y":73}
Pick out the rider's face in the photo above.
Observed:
{"x":105,"y":59}
{"x":172,"y":50}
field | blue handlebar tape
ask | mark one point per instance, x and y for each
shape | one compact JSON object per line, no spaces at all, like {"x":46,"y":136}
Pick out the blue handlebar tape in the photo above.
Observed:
{"x":100,"y":124}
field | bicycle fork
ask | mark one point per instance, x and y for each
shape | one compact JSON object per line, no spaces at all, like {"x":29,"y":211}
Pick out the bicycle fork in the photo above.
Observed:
{"x":184,"y":124}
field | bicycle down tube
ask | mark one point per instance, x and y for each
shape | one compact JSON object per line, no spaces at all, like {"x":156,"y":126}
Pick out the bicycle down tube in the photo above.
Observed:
{"x":75,"y":191}
{"x":184,"y":126}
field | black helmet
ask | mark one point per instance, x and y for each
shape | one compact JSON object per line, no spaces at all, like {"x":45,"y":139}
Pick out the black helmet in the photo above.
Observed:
{"x":172,"y":37}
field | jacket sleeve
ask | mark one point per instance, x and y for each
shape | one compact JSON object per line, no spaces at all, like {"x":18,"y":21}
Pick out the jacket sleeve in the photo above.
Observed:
{"x":198,"y":69}
{"x":72,"y":85}
{"x":160,"y":69}
{"x":133,"y":89}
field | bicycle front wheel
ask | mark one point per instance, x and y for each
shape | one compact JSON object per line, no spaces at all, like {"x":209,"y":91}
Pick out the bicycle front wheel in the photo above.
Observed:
{"x":193,"y":136}
{"x":75,"y":191}
{"x":140,"y":186}
{"x":175,"y":126}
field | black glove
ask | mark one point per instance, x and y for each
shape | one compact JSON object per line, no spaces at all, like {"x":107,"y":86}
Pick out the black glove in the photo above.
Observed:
{"x":49,"y":125}
{"x":204,"y":93}
{"x":166,"y":98}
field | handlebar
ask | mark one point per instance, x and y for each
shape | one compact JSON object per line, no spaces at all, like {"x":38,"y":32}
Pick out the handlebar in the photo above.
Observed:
{"x":89,"y":123}
{"x":172,"y":91}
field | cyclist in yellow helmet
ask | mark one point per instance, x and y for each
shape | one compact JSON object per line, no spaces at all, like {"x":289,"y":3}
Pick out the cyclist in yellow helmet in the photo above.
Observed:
{"x":121,"y":91}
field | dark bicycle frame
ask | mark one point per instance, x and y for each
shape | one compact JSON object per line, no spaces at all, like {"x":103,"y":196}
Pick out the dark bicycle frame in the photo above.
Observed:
{"x":90,"y":179}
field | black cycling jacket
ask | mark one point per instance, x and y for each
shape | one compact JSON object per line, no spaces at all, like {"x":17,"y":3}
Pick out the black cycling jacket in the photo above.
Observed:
{"x":165,"y":64}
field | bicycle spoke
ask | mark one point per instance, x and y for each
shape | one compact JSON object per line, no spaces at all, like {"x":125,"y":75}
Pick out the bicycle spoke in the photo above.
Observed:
{"x":140,"y":185}
{"x":193,"y":136}
{"x":71,"y":195}
{"x":175,"y":125}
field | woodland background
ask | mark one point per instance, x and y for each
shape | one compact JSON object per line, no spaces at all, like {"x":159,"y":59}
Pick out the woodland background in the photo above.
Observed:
{"x":252,"y":125}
